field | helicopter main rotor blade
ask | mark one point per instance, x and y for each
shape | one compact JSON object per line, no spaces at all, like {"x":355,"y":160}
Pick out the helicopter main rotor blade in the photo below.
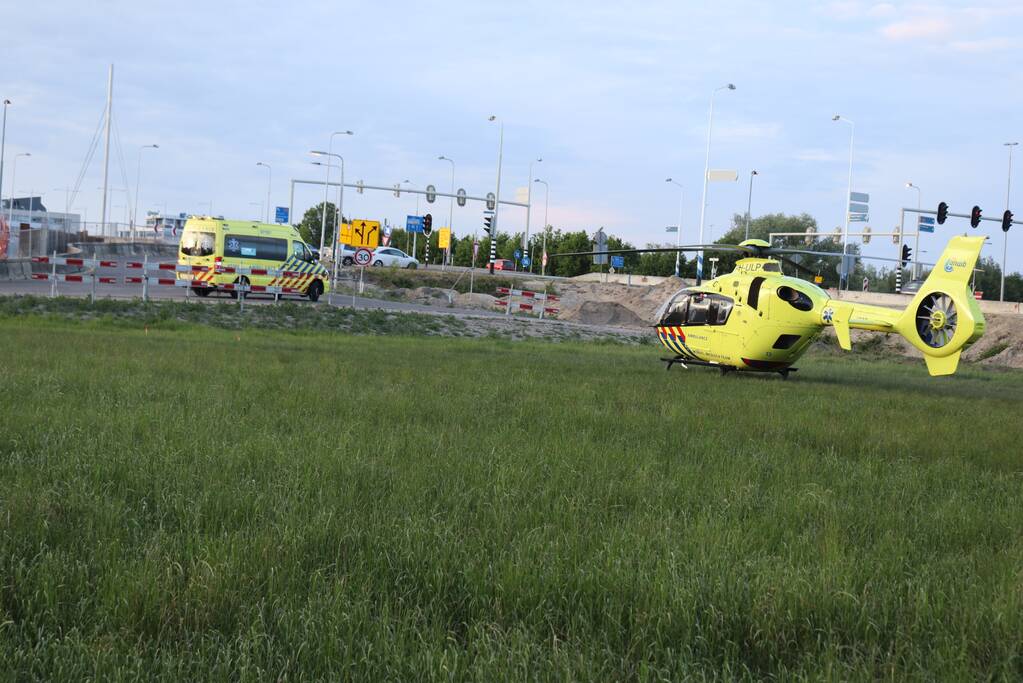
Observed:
{"x":656,"y":250}
{"x":837,"y":254}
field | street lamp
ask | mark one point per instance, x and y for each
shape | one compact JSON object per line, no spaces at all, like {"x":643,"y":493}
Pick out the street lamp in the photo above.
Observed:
{"x":546,"y":203}
{"x":678,"y":228}
{"x":749,"y":202}
{"x":10,"y":201}
{"x":916,"y":246}
{"x":340,"y":196}
{"x":138,"y":182}
{"x":269,"y":178}
{"x":451,"y":204}
{"x":706,"y":172}
{"x":326,"y":181}
{"x":844,"y":275}
{"x":529,"y":205}
{"x":497,"y":196}
{"x":1005,"y":234}
{"x":3,"y":145}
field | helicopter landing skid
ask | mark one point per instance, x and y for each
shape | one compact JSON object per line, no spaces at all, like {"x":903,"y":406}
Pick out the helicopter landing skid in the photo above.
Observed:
{"x":724,"y":369}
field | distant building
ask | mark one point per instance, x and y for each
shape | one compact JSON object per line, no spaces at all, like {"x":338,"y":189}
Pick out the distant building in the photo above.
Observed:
{"x":164,"y":226}
{"x":29,"y":212}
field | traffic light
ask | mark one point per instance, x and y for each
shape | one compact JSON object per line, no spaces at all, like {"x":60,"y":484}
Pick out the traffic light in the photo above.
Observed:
{"x":906,"y":253}
{"x":487,"y":221}
{"x":942,"y":213}
{"x":1006,"y":220}
{"x":427,"y":224}
{"x":975,"y":217}
{"x":866,"y":235}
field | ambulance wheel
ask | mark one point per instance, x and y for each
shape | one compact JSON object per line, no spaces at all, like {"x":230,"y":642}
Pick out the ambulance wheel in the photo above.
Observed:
{"x":201,"y":291}
{"x":315,"y":290}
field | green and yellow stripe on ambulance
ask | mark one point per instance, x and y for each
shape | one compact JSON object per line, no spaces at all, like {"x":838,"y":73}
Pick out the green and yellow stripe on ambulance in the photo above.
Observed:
{"x":298,"y":274}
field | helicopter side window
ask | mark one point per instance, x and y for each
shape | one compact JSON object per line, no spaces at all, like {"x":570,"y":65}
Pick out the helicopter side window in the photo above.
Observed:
{"x":724,"y":309}
{"x":708,"y":309}
{"x":795,"y":298}
{"x":699,"y":310}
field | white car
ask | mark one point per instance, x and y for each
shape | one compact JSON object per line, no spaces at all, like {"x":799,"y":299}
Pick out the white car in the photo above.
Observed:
{"x":389,"y":256}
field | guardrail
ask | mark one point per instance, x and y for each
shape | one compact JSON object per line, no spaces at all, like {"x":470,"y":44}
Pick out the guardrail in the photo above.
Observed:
{"x":203,"y":281}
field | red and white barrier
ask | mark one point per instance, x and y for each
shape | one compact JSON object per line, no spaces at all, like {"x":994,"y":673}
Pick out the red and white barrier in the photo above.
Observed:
{"x":83,"y":277}
{"x":526,"y":294}
{"x":534,"y":301}
{"x":70,"y":261}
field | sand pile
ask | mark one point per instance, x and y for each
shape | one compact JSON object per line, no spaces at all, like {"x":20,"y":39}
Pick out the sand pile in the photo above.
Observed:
{"x":601,"y":313}
{"x":597,"y":303}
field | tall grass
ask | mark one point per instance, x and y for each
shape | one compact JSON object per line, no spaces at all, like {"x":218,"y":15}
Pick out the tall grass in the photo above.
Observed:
{"x":248,"y":505}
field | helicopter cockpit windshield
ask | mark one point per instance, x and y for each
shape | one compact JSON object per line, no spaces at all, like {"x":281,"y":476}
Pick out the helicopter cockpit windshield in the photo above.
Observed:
{"x":697,"y":308}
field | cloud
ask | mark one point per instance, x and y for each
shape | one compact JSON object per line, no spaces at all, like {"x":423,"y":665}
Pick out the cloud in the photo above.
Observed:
{"x":918,"y":29}
{"x":881,"y":10}
{"x":982,"y":46}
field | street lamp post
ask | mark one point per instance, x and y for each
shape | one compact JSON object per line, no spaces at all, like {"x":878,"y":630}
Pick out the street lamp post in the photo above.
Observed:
{"x":3,"y":146}
{"x":706,"y":173}
{"x":269,"y":178}
{"x":844,"y":275}
{"x":340,"y":198}
{"x":10,"y":201}
{"x":546,"y":204}
{"x":529,"y":205}
{"x":415,"y":234}
{"x":497,"y":197}
{"x":138,"y":184}
{"x":1005,"y":235}
{"x":749,"y":202}
{"x":916,"y":246}
{"x":678,"y":228}
{"x":326,"y":181}
{"x":451,"y":204}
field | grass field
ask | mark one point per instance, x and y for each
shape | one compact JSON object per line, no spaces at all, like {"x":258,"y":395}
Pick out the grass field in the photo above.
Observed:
{"x":199,"y":503}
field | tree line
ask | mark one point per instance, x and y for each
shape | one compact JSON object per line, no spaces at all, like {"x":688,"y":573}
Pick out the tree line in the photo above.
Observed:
{"x":881,"y":278}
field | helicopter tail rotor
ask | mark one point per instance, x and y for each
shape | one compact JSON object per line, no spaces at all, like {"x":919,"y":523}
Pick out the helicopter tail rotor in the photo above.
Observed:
{"x":944,"y":317}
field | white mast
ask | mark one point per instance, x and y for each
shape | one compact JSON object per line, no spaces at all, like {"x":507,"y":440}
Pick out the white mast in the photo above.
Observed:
{"x":106,"y":150}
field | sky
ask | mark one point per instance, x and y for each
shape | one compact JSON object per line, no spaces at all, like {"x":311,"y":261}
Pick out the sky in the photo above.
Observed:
{"x":614,"y":97}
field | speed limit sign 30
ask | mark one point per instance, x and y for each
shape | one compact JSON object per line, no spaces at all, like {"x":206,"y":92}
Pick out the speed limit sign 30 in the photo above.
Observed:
{"x":362,"y":257}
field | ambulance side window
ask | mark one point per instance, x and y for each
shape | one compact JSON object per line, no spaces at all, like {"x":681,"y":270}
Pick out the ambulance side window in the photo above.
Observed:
{"x":300,"y":252}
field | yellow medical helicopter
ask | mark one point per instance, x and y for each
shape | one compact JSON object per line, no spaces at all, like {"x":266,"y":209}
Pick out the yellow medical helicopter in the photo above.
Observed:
{"x":758,"y":319}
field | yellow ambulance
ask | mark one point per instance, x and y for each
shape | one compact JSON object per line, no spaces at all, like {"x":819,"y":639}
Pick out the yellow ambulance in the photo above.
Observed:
{"x":220,"y":250}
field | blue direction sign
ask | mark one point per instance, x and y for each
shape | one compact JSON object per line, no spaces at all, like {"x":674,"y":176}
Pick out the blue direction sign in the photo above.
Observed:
{"x":414,"y":223}
{"x":861,"y":197}
{"x":856,"y":207}
{"x":617,"y":261}
{"x":925,"y":223}
{"x":525,"y":261}
{"x":281,"y":214}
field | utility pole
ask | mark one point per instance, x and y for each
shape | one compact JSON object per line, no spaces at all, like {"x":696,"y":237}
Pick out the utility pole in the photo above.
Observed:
{"x":3,"y":146}
{"x":1005,"y":234}
{"x":497,"y":198}
{"x":749,"y":202}
{"x":106,"y":151}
